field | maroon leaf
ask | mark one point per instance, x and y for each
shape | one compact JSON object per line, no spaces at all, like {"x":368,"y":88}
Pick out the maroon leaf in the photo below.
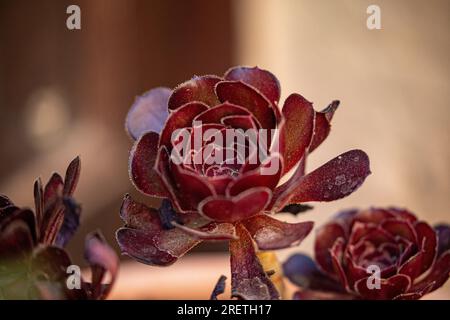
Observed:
{"x":262,"y":80}
{"x":272,"y":234}
{"x":283,"y":193}
{"x":374,"y":215}
{"x":52,"y":222}
{"x":232,"y":209}
{"x":193,"y":187}
{"x":216,"y":113}
{"x":248,"y":279}
{"x":212,"y":231}
{"x":243,"y":95}
{"x":325,"y":238}
{"x":389,"y":288}
{"x":197,"y":89}
{"x":337,"y":255}
{"x":427,"y":238}
{"x":334,"y":180}
{"x":240,"y":122}
{"x":163,"y":171}
{"x":72,"y":176}
{"x":259,"y":177}
{"x":181,"y":118}
{"x":141,"y":167}
{"x":53,"y":190}
{"x":400,"y":228}
{"x":103,"y":260}
{"x":437,"y":276}
{"x":322,"y":125}
{"x":17,"y":234}
{"x":38,"y":200}
{"x":144,"y":239}
{"x":219,"y":288}
{"x":148,"y":112}
{"x":298,"y":129}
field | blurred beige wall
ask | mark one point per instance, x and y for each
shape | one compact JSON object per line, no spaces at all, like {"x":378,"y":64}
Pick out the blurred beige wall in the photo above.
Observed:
{"x":393,"y":85}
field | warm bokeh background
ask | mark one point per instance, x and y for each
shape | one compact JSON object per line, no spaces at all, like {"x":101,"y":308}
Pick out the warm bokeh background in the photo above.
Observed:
{"x":64,"y":93}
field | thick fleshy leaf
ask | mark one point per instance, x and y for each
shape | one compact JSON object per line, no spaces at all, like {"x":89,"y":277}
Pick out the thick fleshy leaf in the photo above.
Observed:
{"x":38,"y":191}
{"x":103,"y":260}
{"x":141,"y":246}
{"x":415,"y":295}
{"x":212,"y":231}
{"x":355,"y":272}
{"x":141,"y":167}
{"x":53,"y":213}
{"x":148,"y":112}
{"x":427,"y":238}
{"x":197,"y":89}
{"x":181,"y":118}
{"x":243,"y":95}
{"x":53,"y":190}
{"x":400,"y":228}
{"x":163,"y":171}
{"x":368,"y":232}
{"x":240,"y":122}
{"x":443,"y":234}
{"x":282,"y":194}
{"x":337,"y":257}
{"x":192,"y":187}
{"x":325,"y":238}
{"x":301,"y":270}
{"x":334,"y":180}
{"x":72,"y":212}
{"x":219,"y":288}
{"x":216,"y":113}
{"x":374,"y":215}
{"x":322,"y":124}
{"x":72,"y":176}
{"x":413,"y":266}
{"x":17,"y":234}
{"x":272,"y":234}
{"x":144,"y":238}
{"x":437,"y":276}
{"x":220,"y":183}
{"x":52,"y":222}
{"x":262,"y":80}
{"x":248,"y":279}
{"x":267,"y":175}
{"x":232,"y":209}
{"x":298,"y":129}
{"x":389,"y":288}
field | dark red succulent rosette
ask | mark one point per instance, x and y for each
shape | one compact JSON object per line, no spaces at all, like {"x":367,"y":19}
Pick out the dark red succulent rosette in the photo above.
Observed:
{"x":412,"y":258}
{"x":228,"y":201}
{"x":33,"y":262}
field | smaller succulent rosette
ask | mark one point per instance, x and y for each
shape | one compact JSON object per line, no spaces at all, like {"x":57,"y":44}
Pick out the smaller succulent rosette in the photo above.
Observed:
{"x":33,"y":262}
{"x":374,"y":254}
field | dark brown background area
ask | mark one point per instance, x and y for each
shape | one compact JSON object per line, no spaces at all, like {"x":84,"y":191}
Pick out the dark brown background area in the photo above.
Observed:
{"x":123,"y":49}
